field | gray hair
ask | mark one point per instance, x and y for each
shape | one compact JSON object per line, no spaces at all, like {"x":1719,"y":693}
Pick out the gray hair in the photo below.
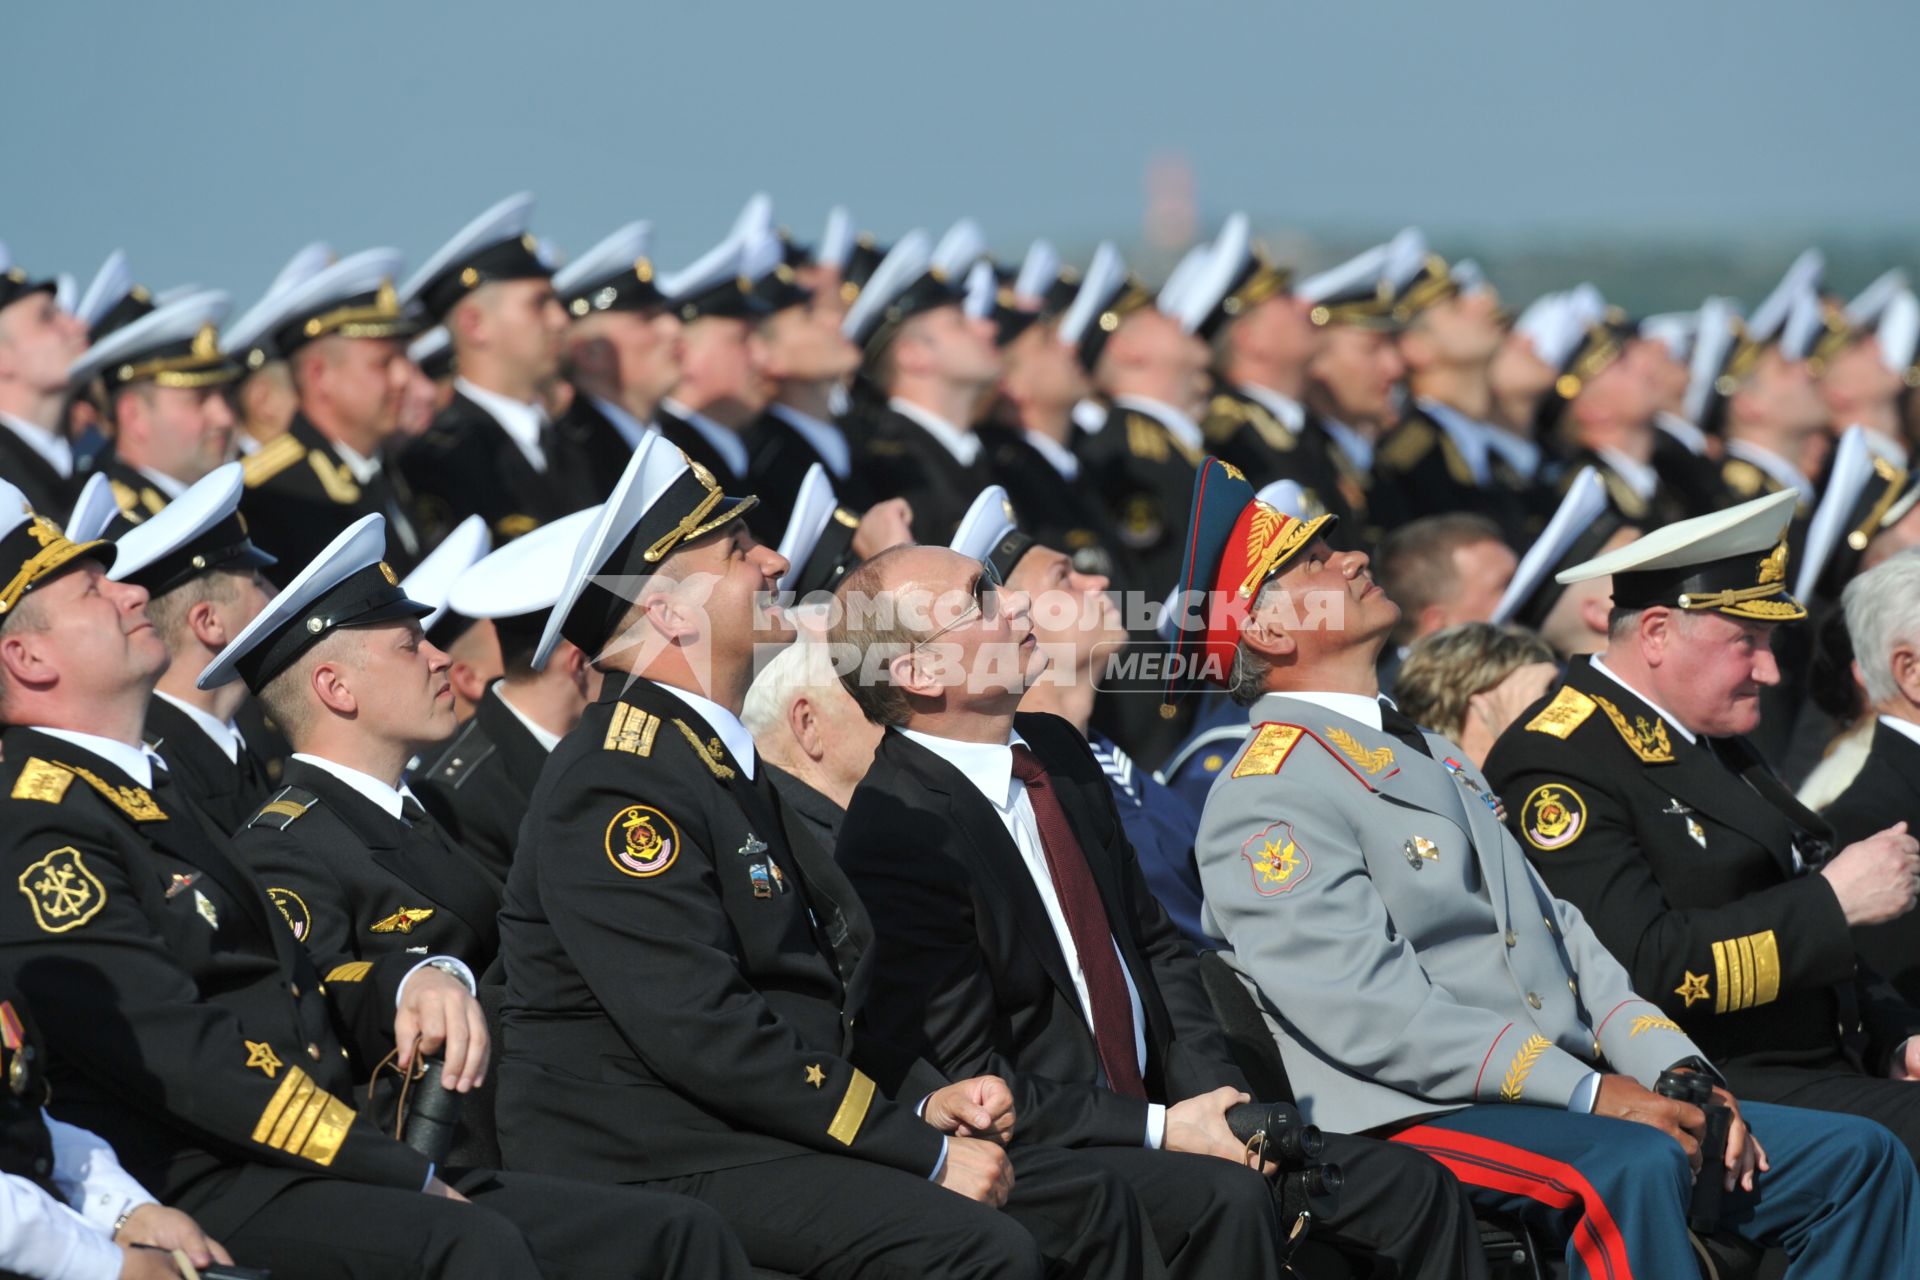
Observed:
{"x":1883,"y":610}
{"x":802,"y":667}
{"x":1247,"y":678}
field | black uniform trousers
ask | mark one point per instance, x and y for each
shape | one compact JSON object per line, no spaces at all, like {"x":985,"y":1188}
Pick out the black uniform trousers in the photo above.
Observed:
{"x":1893,"y":1103}
{"x":519,"y":1225}
{"x":833,"y":1216}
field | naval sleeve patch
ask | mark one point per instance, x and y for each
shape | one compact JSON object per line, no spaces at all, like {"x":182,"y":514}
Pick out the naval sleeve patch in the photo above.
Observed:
{"x":642,"y":841}
{"x":1553,"y":817}
{"x":63,"y":892}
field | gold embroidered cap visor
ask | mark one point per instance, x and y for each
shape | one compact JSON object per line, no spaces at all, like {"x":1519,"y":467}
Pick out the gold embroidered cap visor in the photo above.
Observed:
{"x":196,"y":362}
{"x":376,"y":314}
{"x":1749,"y":586}
{"x":34,"y":550}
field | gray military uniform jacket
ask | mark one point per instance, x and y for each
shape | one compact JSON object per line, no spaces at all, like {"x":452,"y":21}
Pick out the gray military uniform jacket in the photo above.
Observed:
{"x":1406,"y":957}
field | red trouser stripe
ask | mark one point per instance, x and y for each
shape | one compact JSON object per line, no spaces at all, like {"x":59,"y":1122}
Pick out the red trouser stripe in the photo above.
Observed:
{"x":1482,"y":1162}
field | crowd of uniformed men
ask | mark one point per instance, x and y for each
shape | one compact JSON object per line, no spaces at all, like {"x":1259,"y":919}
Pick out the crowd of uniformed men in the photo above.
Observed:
{"x":860,"y":760}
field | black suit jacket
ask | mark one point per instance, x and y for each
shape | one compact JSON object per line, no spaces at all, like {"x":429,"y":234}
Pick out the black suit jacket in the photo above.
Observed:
{"x":1419,"y":471}
{"x":686,"y":983}
{"x":969,"y":971}
{"x":226,"y":791}
{"x":479,"y":785}
{"x":48,"y":492}
{"x":355,"y":880}
{"x":466,"y":463}
{"x":1680,"y":855}
{"x":1886,"y":791}
{"x":299,"y":495}
{"x":186,"y":1024}
{"x":899,"y":459}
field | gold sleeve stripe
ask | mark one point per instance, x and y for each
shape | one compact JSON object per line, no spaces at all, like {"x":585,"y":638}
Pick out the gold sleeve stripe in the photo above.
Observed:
{"x":284,"y":809}
{"x":853,"y":1110}
{"x":304,"y":1120}
{"x":1748,"y":969}
{"x":354,"y":972}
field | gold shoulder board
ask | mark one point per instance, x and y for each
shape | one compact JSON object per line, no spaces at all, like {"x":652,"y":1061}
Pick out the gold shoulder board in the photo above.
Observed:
{"x":272,"y":458}
{"x":631,"y":730}
{"x":1567,"y":712}
{"x":40,"y":780}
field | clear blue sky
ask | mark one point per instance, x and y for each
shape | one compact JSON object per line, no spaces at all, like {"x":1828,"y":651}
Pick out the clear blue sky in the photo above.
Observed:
{"x":212,"y":139}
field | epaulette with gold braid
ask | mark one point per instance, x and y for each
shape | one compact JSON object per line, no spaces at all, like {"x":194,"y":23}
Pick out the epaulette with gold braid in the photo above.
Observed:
{"x":270,"y":460}
{"x":1567,"y":712}
{"x":1404,"y":449}
{"x":631,"y":730}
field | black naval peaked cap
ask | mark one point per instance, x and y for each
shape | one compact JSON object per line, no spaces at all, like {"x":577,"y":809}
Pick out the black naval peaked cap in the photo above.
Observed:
{"x":495,"y":246}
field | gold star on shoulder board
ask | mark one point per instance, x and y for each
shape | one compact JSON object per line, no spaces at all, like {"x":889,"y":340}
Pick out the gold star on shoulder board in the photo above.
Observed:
{"x":815,"y":1076}
{"x":260,"y":1054}
{"x":1694,"y":987}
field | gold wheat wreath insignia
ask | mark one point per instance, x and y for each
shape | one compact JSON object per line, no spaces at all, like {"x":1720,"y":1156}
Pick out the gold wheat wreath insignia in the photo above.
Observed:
{"x":1516,"y":1082}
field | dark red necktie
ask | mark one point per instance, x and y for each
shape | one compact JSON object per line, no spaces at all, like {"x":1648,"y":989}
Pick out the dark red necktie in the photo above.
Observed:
{"x":1087,"y":924}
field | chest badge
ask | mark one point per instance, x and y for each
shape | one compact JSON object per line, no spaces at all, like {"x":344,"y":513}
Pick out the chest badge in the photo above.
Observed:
{"x":751,"y":845}
{"x":204,"y":905}
{"x":1698,"y":832}
{"x":1420,"y":851}
{"x":761,"y":881}
{"x":181,"y":882}
{"x":402,"y":921}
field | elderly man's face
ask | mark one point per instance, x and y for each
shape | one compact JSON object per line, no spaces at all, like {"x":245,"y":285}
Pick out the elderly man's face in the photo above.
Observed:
{"x":1712,"y":670}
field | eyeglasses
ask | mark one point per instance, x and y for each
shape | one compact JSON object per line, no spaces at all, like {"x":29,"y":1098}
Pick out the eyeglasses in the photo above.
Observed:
{"x":986,"y":601}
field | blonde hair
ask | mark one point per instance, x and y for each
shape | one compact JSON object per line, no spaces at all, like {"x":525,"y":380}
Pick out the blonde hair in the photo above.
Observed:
{"x":1444,"y":670}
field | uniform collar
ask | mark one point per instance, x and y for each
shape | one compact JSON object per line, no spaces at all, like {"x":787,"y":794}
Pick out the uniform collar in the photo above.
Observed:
{"x":1782,"y":472}
{"x":1358,"y":448}
{"x":362,"y":469}
{"x":733,"y":735}
{"x":546,"y":738}
{"x":1652,"y":706}
{"x":383,"y":796}
{"x":827,"y":440}
{"x":987,"y":765}
{"x":55,"y":448}
{"x":521,"y":421}
{"x":1291,"y":412}
{"x":1469,"y":436}
{"x":963,"y":445}
{"x":1905,"y":728}
{"x":1357,"y":707}
{"x":728,"y":444}
{"x":1185,"y":429}
{"x":1058,"y":456}
{"x":136,"y":762}
{"x":165,"y":483}
{"x":631,"y":429}
{"x":1685,"y":432}
{"x":1637,"y":476}
{"x":224,"y":734}
{"x":1522,"y":455}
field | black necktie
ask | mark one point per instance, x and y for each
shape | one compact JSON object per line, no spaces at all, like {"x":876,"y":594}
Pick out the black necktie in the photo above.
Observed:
{"x":1396,"y":724}
{"x":411,"y":812}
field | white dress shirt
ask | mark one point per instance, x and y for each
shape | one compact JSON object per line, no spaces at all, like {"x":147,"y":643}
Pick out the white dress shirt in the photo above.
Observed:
{"x":522,"y":422}
{"x":55,"y":448}
{"x":1685,"y":432}
{"x":1358,"y":448}
{"x":363,"y":470}
{"x":1522,"y":455}
{"x":165,"y":483}
{"x":1639,"y":476}
{"x":1469,"y":436}
{"x":631,"y":429}
{"x":1905,"y":728}
{"x":135,"y":761}
{"x":989,"y":767}
{"x":733,"y":735}
{"x":1292,"y":414}
{"x":728,"y":444}
{"x":1184,"y":429}
{"x":963,"y":445}
{"x":224,"y":734}
{"x":1783,"y":473}
{"x":1365,"y":709}
{"x":42,"y":1237}
{"x":1058,"y":456}
{"x":826,"y":439}
{"x":547,"y":739}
